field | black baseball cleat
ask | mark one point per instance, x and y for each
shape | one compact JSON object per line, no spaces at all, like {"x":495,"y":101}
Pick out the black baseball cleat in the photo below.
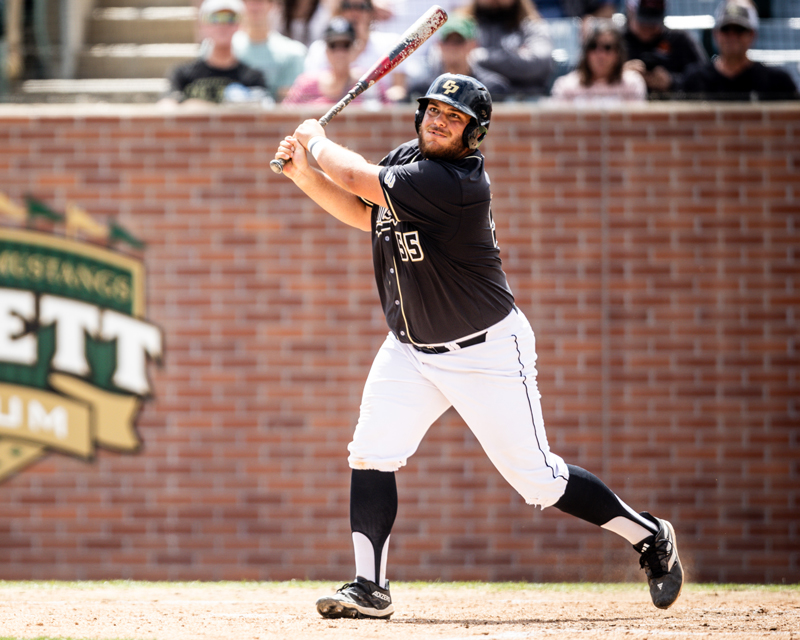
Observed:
{"x":360,"y":599}
{"x":660,"y":561}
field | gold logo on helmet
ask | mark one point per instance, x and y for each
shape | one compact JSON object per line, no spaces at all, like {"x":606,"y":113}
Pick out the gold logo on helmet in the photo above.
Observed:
{"x":450,"y":87}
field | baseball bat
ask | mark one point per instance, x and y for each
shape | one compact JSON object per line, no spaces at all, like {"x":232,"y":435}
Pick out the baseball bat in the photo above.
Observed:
{"x":409,"y":42}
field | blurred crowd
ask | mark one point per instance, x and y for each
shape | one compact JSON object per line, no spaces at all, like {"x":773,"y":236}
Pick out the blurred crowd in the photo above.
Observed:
{"x":313,"y":51}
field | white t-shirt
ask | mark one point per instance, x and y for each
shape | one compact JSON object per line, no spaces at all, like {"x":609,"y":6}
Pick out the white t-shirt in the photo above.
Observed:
{"x":568,"y":88}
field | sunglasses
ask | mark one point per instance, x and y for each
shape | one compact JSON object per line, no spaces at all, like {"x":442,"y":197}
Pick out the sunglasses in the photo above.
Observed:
{"x":347,"y":6}
{"x":594,"y":46}
{"x":734,"y":28}
{"x":340,"y":44}
{"x":222,"y":17}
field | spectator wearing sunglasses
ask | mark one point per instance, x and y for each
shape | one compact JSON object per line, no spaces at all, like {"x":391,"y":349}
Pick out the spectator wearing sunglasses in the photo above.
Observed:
{"x":600,"y":76}
{"x":370,"y":45}
{"x":214,"y":73}
{"x":326,"y":87}
{"x":731,"y":75}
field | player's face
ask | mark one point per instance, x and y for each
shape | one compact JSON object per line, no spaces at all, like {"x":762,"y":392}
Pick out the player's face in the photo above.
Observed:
{"x":441,"y":131}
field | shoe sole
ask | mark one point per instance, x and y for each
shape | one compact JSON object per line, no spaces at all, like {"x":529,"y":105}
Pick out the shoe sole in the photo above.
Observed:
{"x":333,"y":608}
{"x":668,"y":524}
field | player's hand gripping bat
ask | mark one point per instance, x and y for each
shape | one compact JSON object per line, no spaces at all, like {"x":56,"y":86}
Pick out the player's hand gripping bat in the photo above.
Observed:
{"x":410,"y":41}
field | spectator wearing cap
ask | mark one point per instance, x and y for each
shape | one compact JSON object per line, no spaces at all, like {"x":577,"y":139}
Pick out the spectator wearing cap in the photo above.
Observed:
{"x":259,"y":45}
{"x":513,"y":41}
{"x":660,"y":54}
{"x":600,"y":77}
{"x":214,"y":73}
{"x":454,"y":41}
{"x":370,"y":45}
{"x":731,"y":75}
{"x":327,"y":86}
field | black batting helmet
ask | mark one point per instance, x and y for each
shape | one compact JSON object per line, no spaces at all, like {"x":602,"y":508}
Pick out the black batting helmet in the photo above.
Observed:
{"x":468,"y":96}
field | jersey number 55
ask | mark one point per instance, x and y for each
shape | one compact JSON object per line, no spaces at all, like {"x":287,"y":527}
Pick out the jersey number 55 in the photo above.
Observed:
{"x":408,"y":244}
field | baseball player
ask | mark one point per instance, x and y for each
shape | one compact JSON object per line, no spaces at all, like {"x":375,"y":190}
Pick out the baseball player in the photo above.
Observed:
{"x":456,"y":338}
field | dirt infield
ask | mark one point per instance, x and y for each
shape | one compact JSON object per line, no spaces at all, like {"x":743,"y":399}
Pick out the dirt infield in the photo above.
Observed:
{"x":285,"y":611}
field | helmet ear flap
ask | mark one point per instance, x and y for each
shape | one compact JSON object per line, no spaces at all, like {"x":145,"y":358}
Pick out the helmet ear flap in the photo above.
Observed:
{"x":420,"y":114}
{"x":474,"y":134}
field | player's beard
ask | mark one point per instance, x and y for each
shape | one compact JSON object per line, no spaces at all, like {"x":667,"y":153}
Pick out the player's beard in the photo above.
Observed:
{"x":454,"y":151}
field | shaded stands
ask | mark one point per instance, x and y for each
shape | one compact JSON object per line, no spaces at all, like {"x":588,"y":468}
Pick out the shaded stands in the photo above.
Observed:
{"x":120,"y":50}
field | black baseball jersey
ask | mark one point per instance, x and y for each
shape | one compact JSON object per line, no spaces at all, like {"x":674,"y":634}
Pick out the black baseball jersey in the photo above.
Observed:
{"x":437,"y":264}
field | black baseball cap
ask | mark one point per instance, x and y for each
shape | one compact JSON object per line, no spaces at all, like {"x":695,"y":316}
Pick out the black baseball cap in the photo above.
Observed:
{"x":339,"y":29}
{"x":737,"y":12}
{"x":649,"y":12}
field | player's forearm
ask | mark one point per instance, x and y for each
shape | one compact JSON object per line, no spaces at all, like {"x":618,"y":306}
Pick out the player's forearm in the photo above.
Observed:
{"x":348,"y":170}
{"x":338,"y":202}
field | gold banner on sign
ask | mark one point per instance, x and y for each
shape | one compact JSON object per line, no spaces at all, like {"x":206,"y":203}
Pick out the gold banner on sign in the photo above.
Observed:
{"x":112,"y":414}
{"x":16,"y":455}
{"x":33,"y":421}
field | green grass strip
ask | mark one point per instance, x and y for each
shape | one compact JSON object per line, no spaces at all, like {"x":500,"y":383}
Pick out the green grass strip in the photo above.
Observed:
{"x":555,"y":587}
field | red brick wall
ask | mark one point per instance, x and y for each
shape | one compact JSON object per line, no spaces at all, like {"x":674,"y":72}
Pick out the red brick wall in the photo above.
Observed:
{"x":655,"y":252}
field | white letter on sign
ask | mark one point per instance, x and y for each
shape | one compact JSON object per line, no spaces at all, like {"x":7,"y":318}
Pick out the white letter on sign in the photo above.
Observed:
{"x":15,"y":308}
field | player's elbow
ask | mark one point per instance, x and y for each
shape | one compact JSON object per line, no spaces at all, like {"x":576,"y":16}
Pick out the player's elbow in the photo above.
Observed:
{"x":352,"y":181}
{"x":364,"y":183}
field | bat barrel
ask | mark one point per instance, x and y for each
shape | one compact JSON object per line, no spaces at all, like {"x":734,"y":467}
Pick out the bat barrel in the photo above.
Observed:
{"x":409,"y":42}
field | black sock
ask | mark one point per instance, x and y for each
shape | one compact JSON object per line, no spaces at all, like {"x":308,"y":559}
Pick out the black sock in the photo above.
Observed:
{"x":588,"y":498}
{"x":373,"y":509}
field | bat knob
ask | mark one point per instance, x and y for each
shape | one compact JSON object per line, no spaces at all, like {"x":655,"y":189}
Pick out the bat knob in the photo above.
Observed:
{"x":277,"y":165}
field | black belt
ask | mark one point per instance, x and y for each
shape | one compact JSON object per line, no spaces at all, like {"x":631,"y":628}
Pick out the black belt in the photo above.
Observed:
{"x":461,"y":345}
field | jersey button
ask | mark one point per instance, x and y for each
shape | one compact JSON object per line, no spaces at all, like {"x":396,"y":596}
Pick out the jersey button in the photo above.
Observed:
{"x":386,"y":238}
{"x":391,"y":270}
{"x":397,"y":302}
{"x":402,"y":333}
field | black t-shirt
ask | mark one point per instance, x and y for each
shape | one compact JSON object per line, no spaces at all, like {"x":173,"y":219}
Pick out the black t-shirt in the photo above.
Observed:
{"x":197,"y":80}
{"x":674,"y":50}
{"x":437,"y":264}
{"x":704,"y":82}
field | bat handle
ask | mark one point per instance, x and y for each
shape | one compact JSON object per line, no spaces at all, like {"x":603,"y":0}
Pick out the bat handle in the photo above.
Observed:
{"x":278,"y":164}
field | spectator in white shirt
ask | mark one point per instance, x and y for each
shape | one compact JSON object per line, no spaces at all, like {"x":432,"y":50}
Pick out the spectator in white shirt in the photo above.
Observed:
{"x":600,"y":77}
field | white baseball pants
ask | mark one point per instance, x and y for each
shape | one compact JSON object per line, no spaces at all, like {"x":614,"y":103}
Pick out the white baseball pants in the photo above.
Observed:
{"x":493,"y":387}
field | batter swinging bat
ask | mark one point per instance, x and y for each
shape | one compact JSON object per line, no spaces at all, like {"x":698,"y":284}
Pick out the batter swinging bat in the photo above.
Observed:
{"x":410,"y":41}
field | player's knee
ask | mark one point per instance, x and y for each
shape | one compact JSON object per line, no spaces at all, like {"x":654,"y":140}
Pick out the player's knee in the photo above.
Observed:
{"x":543,"y":495}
